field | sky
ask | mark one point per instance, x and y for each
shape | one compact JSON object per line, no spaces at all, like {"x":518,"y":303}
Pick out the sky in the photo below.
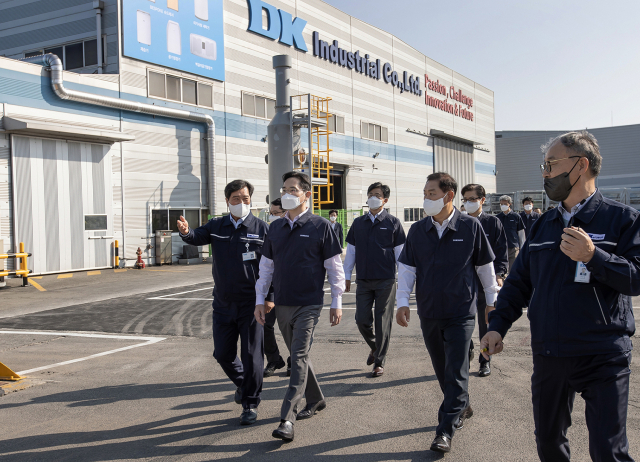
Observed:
{"x":552,"y":65}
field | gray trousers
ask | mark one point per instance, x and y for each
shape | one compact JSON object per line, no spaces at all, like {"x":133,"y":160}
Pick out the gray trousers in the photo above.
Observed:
{"x":383,"y":293}
{"x":297,"y":324}
{"x":513,"y":254}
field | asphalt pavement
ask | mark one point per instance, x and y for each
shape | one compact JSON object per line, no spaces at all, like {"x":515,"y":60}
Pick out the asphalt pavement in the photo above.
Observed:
{"x":119,"y":367}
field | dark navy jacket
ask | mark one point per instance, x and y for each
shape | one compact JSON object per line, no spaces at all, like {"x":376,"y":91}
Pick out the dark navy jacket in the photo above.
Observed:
{"x":570,"y":318}
{"x":298,"y":255}
{"x":374,"y":243}
{"x":528,"y":220}
{"x":446,"y":279}
{"x":339,"y":232}
{"x":497,"y":240}
{"x":234,"y":279}
{"x":512,"y":223}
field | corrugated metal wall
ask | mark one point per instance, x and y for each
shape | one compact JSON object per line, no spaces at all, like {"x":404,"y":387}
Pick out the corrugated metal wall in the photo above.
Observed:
{"x":456,"y":159}
{"x":31,"y":24}
{"x":518,"y":157}
{"x":58,"y":183}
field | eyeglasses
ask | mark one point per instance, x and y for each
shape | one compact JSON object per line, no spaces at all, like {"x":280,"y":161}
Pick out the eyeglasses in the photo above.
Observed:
{"x":471,"y":199}
{"x":546,"y":166}
{"x":292,"y":191}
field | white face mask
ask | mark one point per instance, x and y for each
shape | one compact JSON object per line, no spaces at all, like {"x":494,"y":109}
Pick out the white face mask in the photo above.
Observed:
{"x":374,"y":202}
{"x":290,"y":202}
{"x":273,"y":218}
{"x":432,"y":208}
{"x":528,"y":207}
{"x":239,"y":210}
{"x":472,"y":207}
{"x":504,"y":208}
{"x":333,"y":218}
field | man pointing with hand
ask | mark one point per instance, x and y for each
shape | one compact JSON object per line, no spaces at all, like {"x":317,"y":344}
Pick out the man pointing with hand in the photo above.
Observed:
{"x":236,"y":242}
{"x":577,"y":272}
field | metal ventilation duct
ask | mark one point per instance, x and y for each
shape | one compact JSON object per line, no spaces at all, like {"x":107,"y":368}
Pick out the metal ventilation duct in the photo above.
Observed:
{"x":52,"y":62}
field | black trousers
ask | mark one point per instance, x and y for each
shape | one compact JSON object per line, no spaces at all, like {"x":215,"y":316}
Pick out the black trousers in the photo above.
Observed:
{"x":271,"y":350}
{"x":447,"y":341}
{"x":382,"y":293}
{"x":237,"y":320}
{"x":603,"y":382}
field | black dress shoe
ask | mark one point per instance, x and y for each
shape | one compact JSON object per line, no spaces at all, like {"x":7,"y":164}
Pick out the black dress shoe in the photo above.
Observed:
{"x":273,"y":367}
{"x":441,"y":444}
{"x":238,"y":396}
{"x":248,"y":416}
{"x":371,"y":359}
{"x":310,"y":410}
{"x":466,"y":414}
{"x":284,"y":431}
{"x":485,"y":370}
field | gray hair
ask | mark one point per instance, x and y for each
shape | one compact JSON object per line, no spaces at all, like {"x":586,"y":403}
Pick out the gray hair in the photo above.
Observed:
{"x":581,"y":143}
{"x":506,"y":198}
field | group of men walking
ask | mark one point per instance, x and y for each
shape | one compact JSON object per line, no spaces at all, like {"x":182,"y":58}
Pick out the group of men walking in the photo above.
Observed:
{"x":584,"y":257}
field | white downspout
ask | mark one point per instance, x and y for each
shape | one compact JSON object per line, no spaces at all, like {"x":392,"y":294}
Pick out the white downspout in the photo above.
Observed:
{"x":52,"y":62}
{"x":98,"y":5}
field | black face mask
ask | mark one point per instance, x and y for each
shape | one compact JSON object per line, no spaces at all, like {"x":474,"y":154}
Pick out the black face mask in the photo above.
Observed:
{"x":559,"y":187}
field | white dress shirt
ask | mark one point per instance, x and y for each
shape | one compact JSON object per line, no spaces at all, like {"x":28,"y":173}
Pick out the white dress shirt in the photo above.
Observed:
{"x":333,"y":265}
{"x":407,"y":275}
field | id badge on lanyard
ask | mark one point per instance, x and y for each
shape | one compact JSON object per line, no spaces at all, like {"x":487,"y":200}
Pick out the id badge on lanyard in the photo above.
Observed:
{"x":582,"y":273}
{"x":248,"y":255}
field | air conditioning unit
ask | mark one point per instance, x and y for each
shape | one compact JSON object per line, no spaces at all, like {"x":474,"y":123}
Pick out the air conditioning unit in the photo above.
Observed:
{"x":202,"y":9}
{"x":144,"y":27}
{"x":174,"y":43}
{"x":203,"y":47}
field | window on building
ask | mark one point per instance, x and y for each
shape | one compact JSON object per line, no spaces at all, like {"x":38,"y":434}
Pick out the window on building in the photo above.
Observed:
{"x":413,"y":214}
{"x":258,"y":106}
{"x":178,"y":89}
{"x":95,"y":222}
{"x":374,"y":132}
{"x":167,"y":219}
{"x":336,"y":123}
{"x":75,"y":55}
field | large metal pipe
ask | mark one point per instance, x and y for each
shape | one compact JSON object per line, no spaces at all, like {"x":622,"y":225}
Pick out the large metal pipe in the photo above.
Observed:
{"x":280,"y":153}
{"x":98,"y":5}
{"x":52,"y":62}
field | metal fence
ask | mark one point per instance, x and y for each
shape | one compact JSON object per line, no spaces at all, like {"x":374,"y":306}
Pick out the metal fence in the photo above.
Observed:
{"x":628,"y":196}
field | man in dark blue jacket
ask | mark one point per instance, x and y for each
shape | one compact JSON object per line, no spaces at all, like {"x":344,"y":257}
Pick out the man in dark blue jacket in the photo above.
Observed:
{"x":474,"y":196}
{"x":236,"y":242}
{"x":442,"y":255}
{"x":374,"y":243}
{"x":337,"y":227}
{"x":578,"y":271}
{"x":513,"y":226}
{"x":529,"y":217}
{"x":299,"y":252}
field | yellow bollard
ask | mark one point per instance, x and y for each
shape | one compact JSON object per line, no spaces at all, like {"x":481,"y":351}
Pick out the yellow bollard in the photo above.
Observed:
{"x":23,"y":260}
{"x":8,"y":374}
{"x":116,"y":253}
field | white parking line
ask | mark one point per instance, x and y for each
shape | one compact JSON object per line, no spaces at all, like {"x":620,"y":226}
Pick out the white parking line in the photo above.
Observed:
{"x":164,"y":297}
{"x":148,"y":341}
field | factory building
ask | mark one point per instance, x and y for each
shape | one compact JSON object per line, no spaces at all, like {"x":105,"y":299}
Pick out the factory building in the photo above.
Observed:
{"x":162,"y":102}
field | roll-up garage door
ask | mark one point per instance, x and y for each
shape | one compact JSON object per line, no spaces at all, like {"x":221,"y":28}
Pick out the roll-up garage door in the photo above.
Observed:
{"x":62,"y":203}
{"x":456,"y":159}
